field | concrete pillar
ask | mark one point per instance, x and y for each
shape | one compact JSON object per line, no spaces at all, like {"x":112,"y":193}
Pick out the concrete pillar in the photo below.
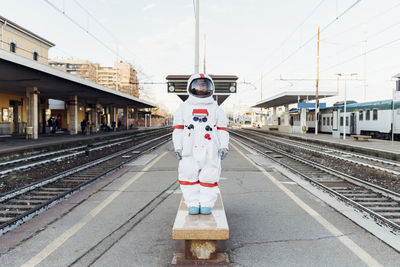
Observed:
{"x":73,"y":115}
{"x":286,"y":115}
{"x":274,"y":119}
{"x":303,"y":119}
{"x":136,"y":118}
{"x":93,"y":121}
{"x":113,"y":117}
{"x":33,"y":119}
{"x":126,"y":111}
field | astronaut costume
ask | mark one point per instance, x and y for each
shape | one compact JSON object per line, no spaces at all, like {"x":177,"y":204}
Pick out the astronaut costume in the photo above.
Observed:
{"x":201,"y":142}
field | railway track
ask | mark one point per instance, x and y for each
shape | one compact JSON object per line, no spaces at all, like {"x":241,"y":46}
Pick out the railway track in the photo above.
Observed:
{"x":45,"y":158}
{"x":20,"y":205}
{"x":385,"y":165}
{"x":382,"y":204}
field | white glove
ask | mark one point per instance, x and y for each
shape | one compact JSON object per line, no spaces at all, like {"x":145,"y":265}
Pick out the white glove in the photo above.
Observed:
{"x":222,"y":153}
{"x":178,"y":153}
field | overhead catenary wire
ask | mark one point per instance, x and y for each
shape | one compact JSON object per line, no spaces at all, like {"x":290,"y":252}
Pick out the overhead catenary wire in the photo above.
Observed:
{"x":293,"y":32}
{"x":81,"y":27}
{"x":312,"y":38}
{"x":116,"y":53}
{"x":360,"y":24}
{"x":362,"y":54}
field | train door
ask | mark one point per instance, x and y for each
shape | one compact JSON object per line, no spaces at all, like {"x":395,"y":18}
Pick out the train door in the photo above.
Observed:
{"x":353,"y":123}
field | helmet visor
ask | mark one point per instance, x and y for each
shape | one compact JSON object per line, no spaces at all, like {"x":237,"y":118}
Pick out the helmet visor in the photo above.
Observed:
{"x":201,"y":88}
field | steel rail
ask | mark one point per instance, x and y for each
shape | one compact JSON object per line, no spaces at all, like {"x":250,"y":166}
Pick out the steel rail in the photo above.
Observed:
{"x":16,"y":221}
{"x":339,"y":175}
{"x":316,"y":147}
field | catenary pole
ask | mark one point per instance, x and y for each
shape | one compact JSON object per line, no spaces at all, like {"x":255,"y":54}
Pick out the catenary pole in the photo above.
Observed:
{"x":196,"y":50}
{"x":316,"y":89}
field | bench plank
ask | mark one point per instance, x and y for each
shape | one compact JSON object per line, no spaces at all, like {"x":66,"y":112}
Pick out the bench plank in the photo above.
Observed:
{"x":201,"y":227}
{"x":361,"y":137}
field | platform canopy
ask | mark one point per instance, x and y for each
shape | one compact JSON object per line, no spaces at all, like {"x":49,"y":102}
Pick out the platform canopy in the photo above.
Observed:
{"x":17,"y":73}
{"x":287,"y":98}
{"x":224,"y":86}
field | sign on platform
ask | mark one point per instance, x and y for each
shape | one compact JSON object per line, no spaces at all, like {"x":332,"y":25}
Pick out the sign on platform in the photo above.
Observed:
{"x":310,"y":105}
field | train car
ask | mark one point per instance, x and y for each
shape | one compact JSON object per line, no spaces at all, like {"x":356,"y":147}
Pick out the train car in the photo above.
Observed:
{"x":369,"y":118}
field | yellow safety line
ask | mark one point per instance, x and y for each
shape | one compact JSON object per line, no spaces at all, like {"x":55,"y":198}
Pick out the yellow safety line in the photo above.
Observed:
{"x":71,"y":231}
{"x":362,"y":254}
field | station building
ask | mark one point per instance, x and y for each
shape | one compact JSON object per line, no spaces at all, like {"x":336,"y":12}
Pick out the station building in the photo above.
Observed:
{"x":280,"y":118}
{"x":28,"y":84}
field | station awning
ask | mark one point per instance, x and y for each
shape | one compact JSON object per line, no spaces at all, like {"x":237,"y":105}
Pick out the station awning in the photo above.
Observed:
{"x":17,"y":73}
{"x":287,"y":98}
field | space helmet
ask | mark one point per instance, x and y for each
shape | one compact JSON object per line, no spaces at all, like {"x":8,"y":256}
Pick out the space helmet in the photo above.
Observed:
{"x":200,"y":85}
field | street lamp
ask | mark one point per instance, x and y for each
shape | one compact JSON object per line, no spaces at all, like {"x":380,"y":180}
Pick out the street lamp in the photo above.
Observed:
{"x":345,"y":100}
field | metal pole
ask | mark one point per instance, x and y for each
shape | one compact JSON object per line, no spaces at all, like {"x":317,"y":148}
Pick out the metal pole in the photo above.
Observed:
{"x":393,"y":95}
{"x":345,"y":116}
{"x":205,"y":53}
{"x":2,"y":34}
{"x":316,"y":90}
{"x":196,"y":51}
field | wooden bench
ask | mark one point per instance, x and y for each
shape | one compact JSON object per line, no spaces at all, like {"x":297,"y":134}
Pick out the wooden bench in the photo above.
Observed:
{"x":201,"y":232}
{"x":363,"y":138}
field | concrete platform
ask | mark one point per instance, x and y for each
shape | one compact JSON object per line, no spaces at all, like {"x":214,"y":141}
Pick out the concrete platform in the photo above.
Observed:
{"x":379,"y":147}
{"x":126,"y":220}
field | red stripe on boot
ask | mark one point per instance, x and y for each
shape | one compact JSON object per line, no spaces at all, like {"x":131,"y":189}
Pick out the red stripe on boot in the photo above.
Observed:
{"x":188,"y":183}
{"x":209,"y":184}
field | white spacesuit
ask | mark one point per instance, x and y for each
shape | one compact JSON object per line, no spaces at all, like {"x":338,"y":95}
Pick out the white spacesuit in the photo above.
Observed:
{"x":201,"y":142}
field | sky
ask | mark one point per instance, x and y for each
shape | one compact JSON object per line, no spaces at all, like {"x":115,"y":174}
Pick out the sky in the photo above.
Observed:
{"x":243,"y":38}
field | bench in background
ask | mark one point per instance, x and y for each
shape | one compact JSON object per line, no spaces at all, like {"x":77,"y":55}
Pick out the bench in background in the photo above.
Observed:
{"x":364,"y":138}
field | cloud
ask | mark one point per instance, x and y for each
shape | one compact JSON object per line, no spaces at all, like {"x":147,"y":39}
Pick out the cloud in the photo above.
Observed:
{"x":148,"y":7}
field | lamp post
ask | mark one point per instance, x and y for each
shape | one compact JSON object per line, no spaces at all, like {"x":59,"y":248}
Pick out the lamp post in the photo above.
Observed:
{"x":345,"y":101}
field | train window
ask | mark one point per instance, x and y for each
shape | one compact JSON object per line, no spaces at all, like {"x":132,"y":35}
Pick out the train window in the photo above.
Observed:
{"x":375,"y":114}
{"x":327,"y":121}
{"x":347,"y":121}
{"x":323,"y":121}
{"x":35,"y":56}
{"x":361,"y":115}
{"x":367,"y":115}
{"x":332,"y":121}
{"x":341,"y":121}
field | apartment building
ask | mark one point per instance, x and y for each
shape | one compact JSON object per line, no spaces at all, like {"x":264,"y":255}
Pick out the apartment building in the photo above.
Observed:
{"x":121,"y":77}
{"x":82,"y":68}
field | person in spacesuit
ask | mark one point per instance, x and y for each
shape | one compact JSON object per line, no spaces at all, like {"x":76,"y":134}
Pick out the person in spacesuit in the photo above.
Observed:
{"x":201,"y":142}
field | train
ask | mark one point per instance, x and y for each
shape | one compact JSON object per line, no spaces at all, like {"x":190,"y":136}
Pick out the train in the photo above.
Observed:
{"x":377,"y":119}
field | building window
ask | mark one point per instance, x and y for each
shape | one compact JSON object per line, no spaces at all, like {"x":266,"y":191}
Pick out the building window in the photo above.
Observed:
{"x":361,"y":115}
{"x":341,"y":121}
{"x":375,"y":114}
{"x":367,"y":115}
{"x":35,"y":56}
{"x":13,"y":47}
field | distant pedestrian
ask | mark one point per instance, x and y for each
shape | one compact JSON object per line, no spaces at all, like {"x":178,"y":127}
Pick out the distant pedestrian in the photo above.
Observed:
{"x":119,"y":125}
{"x":83,"y":126}
{"x":113,"y":125}
{"x":50,"y":123}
